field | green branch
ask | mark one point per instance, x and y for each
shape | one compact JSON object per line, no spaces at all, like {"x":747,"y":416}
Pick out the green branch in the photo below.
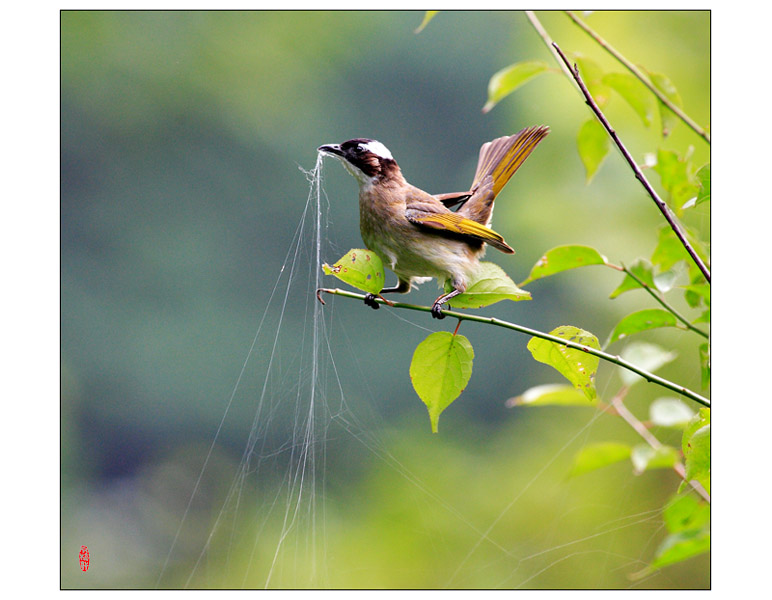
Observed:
{"x":660,"y":299}
{"x":641,"y":76}
{"x":617,"y":360}
{"x":661,"y":204}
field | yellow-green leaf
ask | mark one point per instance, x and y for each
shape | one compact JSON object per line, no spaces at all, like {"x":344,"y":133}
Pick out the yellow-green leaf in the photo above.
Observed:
{"x":650,"y":318}
{"x":595,"y":456}
{"x":677,"y":177}
{"x":550,"y":394}
{"x":682,"y":545}
{"x":361,"y":268}
{"x":634,"y":93}
{"x":668,"y":117}
{"x":685,"y":511}
{"x":592,"y":75}
{"x":440,"y":369}
{"x":575,"y":365}
{"x":697,"y":456}
{"x":593,"y":144}
{"x":703,"y":176}
{"x":488,"y":285}
{"x":644,"y":457}
{"x":562,"y":258}
{"x":507,"y":80}
{"x":687,"y":520}
{"x":670,"y":249}
{"x":642,"y":270}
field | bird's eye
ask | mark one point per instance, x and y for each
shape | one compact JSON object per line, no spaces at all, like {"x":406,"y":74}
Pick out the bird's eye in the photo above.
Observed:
{"x":359,"y":149}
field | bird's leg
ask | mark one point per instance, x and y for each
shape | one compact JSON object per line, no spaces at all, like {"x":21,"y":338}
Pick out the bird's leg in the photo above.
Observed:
{"x":437,"y":306}
{"x":402,"y":287}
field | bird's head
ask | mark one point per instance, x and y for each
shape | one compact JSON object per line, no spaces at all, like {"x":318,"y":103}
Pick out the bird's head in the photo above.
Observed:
{"x":367,"y":160}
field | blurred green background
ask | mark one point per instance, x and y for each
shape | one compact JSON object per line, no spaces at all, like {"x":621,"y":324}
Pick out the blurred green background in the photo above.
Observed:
{"x":182,"y":134}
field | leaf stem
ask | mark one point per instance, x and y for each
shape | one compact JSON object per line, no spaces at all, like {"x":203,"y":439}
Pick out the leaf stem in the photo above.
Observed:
{"x":617,"y":360}
{"x":662,"y":301}
{"x":641,"y":76}
{"x":663,"y":207}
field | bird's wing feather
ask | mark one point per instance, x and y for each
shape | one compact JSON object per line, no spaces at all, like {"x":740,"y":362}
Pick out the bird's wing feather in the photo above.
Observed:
{"x":435,"y":216}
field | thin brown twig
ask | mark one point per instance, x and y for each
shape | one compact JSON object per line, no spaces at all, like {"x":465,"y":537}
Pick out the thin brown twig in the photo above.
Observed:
{"x":661,"y":204}
{"x":618,"y":403}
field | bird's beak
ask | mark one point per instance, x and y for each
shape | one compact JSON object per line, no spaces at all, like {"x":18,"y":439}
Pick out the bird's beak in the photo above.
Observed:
{"x":333,"y":149}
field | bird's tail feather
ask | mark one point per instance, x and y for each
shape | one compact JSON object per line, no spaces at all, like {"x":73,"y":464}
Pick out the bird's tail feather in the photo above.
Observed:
{"x":501,"y":157}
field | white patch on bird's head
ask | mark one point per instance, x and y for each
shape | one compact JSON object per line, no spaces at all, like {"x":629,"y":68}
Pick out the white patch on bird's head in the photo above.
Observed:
{"x":366,"y":159}
{"x":378,"y":149}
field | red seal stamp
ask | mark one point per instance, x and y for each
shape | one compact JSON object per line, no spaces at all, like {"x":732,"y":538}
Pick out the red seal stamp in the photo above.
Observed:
{"x":84,"y":558}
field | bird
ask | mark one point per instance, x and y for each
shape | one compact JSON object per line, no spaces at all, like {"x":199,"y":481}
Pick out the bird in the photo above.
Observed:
{"x":419,"y":235}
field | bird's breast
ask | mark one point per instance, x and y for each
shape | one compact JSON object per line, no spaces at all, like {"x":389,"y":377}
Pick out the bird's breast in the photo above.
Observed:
{"x":408,"y":250}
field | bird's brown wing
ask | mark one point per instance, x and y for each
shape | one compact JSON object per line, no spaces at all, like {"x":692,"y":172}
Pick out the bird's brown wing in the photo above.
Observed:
{"x":432,"y":214}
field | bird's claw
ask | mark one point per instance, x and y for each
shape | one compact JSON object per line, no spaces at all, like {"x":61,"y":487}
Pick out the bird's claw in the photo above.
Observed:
{"x":370,"y":300}
{"x":437,"y":311}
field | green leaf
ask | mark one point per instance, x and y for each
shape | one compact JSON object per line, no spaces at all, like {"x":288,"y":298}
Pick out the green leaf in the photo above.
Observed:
{"x":592,"y":75}
{"x":550,"y":394}
{"x":361,"y":268}
{"x":703,"y":176}
{"x":696,"y":293}
{"x":703,"y":318}
{"x":670,"y":249}
{"x":697,"y":455}
{"x":428,"y":16}
{"x":593,"y":144}
{"x":650,"y":318}
{"x":488,"y":285}
{"x":563,"y":258}
{"x":679,"y":546}
{"x":644,"y":457}
{"x":695,"y":445}
{"x":667,"y":116}
{"x":697,"y":422}
{"x":440,"y":369}
{"x":671,"y":168}
{"x":687,"y":520}
{"x":507,"y":80}
{"x":648,"y":357}
{"x":703,"y":193}
{"x":642,"y":270}
{"x":634,"y":93}
{"x":684,"y":512}
{"x":595,"y":456}
{"x":670,"y":412}
{"x":576,"y":366}
{"x":676,"y":177}
{"x":705,"y":364}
